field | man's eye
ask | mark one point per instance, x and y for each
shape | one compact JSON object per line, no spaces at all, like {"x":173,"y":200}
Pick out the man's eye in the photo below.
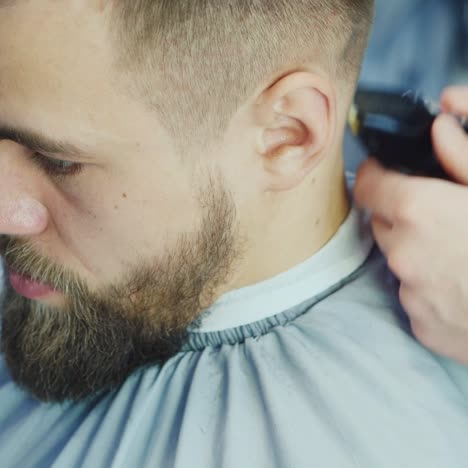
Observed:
{"x":56,"y":167}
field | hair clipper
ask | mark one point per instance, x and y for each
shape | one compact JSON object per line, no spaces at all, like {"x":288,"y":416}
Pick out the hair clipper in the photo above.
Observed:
{"x":396,"y":128}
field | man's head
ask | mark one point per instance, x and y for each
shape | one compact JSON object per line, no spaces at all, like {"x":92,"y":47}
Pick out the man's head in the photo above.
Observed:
{"x":191,"y":131}
{"x":208,"y":57}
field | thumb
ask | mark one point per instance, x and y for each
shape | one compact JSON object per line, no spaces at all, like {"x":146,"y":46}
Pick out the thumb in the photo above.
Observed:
{"x":451,"y":147}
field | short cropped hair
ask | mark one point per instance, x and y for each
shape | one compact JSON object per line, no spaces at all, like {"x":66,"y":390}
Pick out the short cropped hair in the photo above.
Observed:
{"x":197,"y":61}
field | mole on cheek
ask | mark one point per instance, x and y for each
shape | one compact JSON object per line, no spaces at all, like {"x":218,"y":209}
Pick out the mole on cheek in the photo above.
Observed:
{"x":124,"y":195}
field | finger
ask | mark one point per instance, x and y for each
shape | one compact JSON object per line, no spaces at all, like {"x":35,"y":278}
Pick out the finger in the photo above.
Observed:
{"x":383,"y":233}
{"x":379,"y":190}
{"x":451,"y":147}
{"x":411,"y":303}
{"x":455,"y":99}
{"x":424,"y":324}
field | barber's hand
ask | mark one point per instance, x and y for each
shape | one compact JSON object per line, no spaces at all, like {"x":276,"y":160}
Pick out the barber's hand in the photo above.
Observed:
{"x":421,"y":225}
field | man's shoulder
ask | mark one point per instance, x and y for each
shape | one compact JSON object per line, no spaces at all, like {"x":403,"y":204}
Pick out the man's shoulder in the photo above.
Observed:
{"x":364,"y":321}
{"x":369,"y":297}
{"x":333,"y":375}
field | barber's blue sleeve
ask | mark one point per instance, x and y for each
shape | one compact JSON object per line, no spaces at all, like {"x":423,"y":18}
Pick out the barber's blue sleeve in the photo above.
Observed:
{"x":414,"y":44}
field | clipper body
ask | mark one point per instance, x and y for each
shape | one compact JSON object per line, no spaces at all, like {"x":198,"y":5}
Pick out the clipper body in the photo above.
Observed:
{"x":396,"y":129}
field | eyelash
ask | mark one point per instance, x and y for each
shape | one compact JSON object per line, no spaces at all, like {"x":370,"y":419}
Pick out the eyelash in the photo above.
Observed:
{"x":54,"y":167}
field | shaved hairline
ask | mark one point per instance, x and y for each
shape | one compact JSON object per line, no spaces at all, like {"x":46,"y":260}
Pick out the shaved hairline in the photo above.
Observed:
{"x":196,"y":61}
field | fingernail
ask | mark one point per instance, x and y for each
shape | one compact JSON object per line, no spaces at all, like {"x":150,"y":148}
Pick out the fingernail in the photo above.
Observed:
{"x":447,"y":129}
{"x":449,"y":121}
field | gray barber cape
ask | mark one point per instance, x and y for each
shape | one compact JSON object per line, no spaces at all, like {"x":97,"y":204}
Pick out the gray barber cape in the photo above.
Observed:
{"x":316,"y":367}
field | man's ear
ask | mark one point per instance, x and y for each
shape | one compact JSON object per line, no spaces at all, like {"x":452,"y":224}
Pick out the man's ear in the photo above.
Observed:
{"x":297,"y":120}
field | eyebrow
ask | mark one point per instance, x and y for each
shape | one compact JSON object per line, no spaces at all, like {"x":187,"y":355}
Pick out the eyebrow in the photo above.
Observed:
{"x":40,"y":143}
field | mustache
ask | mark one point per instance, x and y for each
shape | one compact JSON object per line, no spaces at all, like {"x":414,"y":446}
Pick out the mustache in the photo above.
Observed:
{"x":21,"y":257}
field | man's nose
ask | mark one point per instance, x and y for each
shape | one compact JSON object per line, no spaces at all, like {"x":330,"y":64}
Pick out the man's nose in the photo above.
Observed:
{"x":21,"y":213}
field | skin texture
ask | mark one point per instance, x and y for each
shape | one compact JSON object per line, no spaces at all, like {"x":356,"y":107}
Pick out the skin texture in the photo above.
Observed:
{"x":421,"y":227}
{"x":141,"y":241}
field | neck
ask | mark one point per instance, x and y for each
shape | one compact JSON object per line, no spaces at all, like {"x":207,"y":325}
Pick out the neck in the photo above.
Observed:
{"x":294,"y":226}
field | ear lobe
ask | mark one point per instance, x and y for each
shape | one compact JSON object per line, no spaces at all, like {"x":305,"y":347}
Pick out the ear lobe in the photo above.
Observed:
{"x":293,"y":145}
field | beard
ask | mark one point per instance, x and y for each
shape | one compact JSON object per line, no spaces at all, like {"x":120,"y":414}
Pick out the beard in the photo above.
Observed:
{"x":93,"y":343}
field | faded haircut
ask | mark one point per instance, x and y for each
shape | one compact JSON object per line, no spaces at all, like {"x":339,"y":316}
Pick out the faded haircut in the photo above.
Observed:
{"x":197,"y":61}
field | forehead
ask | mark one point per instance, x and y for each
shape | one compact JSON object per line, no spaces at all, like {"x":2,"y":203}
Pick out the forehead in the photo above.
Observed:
{"x":50,"y":52}
{"x":57,"y":73}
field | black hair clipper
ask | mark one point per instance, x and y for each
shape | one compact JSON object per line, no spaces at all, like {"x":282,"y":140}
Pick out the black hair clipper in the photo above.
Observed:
{"x":395,"y":128}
